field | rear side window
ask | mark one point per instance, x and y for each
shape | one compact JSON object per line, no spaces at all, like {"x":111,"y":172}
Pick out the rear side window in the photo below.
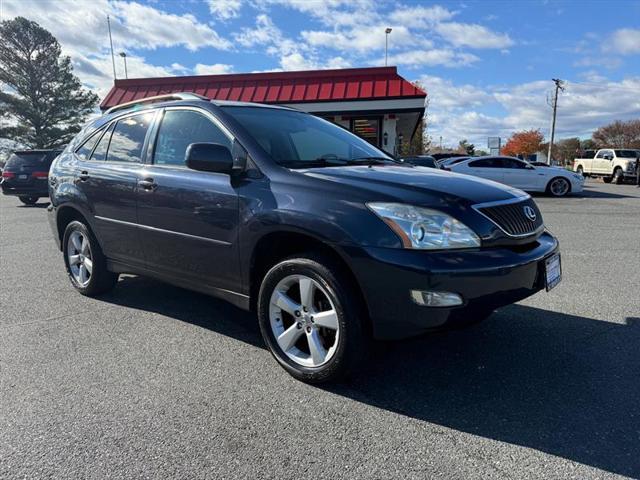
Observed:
{"x":179,"y":129}
{"x":100,"y":152}
{"x":127,"y":140}
{"x":510,"y":163}
{"x":87,"y":147}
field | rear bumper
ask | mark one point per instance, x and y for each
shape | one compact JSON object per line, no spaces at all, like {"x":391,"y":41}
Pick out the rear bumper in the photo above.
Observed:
{"x":30,"y":189}
{"x":485,"y":279}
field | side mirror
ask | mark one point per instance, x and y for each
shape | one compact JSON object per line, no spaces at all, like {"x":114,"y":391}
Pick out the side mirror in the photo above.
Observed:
{"x":209,"y":157}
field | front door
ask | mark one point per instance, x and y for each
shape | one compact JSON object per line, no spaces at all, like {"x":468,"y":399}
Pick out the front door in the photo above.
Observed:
{"x":489,"y":168}
{"x":189,"y":219}
{"x":519,"y":174}
{"x":108,"y":177}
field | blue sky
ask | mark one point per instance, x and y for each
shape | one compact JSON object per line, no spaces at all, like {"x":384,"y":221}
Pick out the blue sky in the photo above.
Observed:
{"x":487,"y":65}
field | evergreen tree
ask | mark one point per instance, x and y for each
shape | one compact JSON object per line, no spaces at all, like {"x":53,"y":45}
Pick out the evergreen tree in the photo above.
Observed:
{"x":42,"y":103}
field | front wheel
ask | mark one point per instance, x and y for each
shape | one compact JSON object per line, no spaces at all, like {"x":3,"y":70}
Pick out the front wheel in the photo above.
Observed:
{"x":85,"y":262}
{"x":28,"y":200}
{"x":618,"y":176}
{"x":312,"y":320}
{"x":559,"y":187}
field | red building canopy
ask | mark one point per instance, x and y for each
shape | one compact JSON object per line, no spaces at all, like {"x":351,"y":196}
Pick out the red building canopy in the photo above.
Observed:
{"x":380,"y":83}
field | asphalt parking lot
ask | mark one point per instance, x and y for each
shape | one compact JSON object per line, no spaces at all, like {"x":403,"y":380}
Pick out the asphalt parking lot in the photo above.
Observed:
{"x":151,"y":381}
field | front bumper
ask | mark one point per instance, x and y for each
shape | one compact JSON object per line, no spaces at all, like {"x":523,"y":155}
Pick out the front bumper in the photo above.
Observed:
{"x":485,"y":279}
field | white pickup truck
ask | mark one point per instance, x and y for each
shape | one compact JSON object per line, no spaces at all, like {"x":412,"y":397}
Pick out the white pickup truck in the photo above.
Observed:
{"x":610,"y":164}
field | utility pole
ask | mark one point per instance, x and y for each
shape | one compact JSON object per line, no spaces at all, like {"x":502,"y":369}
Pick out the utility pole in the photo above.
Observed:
{"x":559,"y":86}
{"x":113,"y":60}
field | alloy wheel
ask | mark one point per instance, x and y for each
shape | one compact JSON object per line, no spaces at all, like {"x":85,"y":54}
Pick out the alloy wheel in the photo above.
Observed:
{"x":304,"y":320}
{"x":559,"y":187}
{"x":79,"y":257}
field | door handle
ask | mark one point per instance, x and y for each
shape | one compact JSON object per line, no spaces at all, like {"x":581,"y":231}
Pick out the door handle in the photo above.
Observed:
{"x":147,"y":184}
{"x":84,"y":176}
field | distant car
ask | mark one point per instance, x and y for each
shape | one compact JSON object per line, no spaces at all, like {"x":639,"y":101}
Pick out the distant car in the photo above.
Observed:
{"x":421,"y":161}
{"x":442,"y":156}
{"x":25,"y":174}
{"x":520,"y":174}
{"x":445,"y":163}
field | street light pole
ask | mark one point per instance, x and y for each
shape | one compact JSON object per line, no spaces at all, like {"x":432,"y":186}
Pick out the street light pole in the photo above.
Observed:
{"x":124,"y":56}
{"x":386,"y":44}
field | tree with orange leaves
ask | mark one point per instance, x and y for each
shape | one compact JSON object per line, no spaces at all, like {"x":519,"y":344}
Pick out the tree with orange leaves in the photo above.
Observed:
{"x":523,"y":143}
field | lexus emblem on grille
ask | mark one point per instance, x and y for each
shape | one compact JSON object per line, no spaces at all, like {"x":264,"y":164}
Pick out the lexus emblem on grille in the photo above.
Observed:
{"x":530,"y":213}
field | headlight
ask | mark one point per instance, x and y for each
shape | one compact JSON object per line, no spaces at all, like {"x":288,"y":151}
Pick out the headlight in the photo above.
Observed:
{"x":424,"y":228}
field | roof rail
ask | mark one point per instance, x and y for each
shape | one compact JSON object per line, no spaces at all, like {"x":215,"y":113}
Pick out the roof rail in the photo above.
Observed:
{"x":157,"y":99}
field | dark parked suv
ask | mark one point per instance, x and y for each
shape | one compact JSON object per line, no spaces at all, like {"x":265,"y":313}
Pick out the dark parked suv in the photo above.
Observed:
{"x":25,"y":174}
{"x":329,"y":240}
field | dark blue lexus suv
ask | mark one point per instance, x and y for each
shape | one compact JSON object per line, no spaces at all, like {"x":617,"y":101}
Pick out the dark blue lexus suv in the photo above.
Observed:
{"x":329,"y":240}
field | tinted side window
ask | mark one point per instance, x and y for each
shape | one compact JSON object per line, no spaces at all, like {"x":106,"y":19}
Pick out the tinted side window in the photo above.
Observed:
{"x":510,"y":163}
{"x":179,"y":129}
{"x":600,"y":154}
{"x":100,"y":152}
{"x":87,"y":147}
{"x":485,"y":163}
{"x":128,"y":137}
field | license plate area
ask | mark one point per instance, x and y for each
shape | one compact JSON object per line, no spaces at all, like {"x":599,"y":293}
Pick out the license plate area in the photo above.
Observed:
{"x":552,"y":271}
{"x":23,"y":176}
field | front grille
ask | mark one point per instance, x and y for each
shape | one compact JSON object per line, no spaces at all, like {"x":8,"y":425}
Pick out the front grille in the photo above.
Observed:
{"x":512,"y":217}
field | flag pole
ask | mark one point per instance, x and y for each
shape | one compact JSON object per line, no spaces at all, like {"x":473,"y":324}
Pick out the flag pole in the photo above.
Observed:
{"x":113,"y":61}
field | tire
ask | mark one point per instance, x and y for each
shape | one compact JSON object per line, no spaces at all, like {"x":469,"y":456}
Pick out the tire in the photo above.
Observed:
{"x":618,"y":176}
{"x":607,"y":179}
{"x":558,"y":187}
{"x":92,"y":261}
{"x":580,"y":171}
{"x":28,"y":200}
{"x":346,"y":347}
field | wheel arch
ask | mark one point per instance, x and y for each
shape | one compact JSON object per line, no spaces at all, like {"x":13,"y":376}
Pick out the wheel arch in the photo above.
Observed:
{"x":67,"y":214}
{"x":275,"y":246}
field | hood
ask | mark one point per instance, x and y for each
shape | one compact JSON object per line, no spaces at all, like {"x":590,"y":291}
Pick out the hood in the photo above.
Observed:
{"x":421,"y":184}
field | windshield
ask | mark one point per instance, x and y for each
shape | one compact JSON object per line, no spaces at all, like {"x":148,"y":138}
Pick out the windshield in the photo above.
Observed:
{"x":299,"y":140}
{"x":626,"y":153}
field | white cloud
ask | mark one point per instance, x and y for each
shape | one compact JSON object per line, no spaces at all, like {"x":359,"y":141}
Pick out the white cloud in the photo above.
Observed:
{"x":420,"y":16}
{"x":458,"y":111}
{"x":225,"y":9}
{"x":149,"y":28}
{"x":625,"y":41}
{"x":472,"y":35}
{"x":215,"y":69}
{"x":444,"y":57}
{"x":363,"y":38}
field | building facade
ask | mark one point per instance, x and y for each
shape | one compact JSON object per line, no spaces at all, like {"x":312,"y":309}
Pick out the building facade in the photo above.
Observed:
{"x":375,"y":103}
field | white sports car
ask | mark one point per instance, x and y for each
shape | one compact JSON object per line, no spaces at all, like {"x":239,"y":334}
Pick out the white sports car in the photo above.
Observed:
{"x":519,"y":174}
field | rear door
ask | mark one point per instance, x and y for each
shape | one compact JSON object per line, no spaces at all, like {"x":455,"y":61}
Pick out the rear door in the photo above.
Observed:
{"x":189,"y":219}
{"x":108,"y":176}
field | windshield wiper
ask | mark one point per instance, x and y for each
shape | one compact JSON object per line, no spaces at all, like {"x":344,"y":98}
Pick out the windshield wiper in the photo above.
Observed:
{"x":372,"y":161}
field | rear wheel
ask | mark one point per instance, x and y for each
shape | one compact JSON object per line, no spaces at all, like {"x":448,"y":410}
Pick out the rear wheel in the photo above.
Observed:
{"x":85,"y":262}
{"x":580,"y":171}
{"x":559,"y":187}
{"x":28,"y":200}
{"x":312,"y":320}
{"x":618,"y":176}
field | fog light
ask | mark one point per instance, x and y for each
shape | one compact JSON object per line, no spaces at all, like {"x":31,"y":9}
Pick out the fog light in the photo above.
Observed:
{"x":436,"y":299}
